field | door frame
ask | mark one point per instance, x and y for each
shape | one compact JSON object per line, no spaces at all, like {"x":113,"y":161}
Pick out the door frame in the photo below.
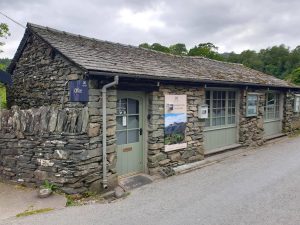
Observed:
{"x":237,"y":111}
{"x":281,"y":104}
{"x":144,"y":143}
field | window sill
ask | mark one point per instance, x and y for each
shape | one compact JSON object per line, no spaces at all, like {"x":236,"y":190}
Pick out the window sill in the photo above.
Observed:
{"x":219,"y":128}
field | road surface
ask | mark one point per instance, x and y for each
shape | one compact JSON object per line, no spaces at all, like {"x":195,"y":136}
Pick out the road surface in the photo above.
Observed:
{"x":259,"y":187}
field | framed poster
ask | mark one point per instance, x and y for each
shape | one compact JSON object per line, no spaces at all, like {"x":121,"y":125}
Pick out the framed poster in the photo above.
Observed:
{"x":175,"y":122}
{"x":252,"y":104}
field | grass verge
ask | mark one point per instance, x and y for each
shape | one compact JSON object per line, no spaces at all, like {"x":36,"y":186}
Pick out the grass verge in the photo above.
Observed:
{"x":32,"y":212}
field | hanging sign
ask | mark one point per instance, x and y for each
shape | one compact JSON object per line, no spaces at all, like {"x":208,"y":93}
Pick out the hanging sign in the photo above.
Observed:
{"x":79,"y":91}
{"x":175,"y":122}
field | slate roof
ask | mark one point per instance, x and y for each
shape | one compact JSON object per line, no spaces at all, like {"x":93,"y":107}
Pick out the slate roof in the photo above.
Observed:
{"x":96,"y":55}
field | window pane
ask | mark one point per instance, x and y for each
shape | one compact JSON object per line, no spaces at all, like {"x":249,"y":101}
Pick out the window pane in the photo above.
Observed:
{"x":207,"y":122}
{"x":222,"y":121}
{"x":133,"y":106}
{"x":121,"y":122}
{"x":223,"y":94}
{"x":133,"y":136}
{"x":215,"y":104}
{"x":214,"y":121}
{"x":214,"y":114}
{"x":231,"y":120}
{"x":122,"y":106}
{"x":121,"y":137}
{"x":222,"y":112}
{"x":215,"y":95}
{"x":207,"y":95}
{"x":271,"y":99}
{"x":133,"y":122}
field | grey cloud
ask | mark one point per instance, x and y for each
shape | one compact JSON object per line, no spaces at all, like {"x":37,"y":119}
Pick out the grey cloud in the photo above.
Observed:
{"x":231,"y":24}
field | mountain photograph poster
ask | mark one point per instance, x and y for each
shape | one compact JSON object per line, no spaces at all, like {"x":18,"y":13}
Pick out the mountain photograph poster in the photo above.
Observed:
{"x":175,"y":122}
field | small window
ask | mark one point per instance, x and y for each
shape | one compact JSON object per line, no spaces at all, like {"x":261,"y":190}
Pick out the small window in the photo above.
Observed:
{"x":252,"y":100}
{"x":297,"y":103}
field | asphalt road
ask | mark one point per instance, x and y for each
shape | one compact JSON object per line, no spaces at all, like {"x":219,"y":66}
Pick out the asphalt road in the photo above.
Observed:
{"x":261,"y":187}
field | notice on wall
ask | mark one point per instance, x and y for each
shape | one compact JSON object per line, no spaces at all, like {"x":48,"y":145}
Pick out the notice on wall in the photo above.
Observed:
{"x":79,"y":91}
{"x":175,"y":122}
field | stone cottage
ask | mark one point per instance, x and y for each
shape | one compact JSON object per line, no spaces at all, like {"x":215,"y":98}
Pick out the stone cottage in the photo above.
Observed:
{"x":147,"y":112}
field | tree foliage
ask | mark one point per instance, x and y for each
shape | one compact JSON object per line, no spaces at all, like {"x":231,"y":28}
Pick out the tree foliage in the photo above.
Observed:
{"x":294,"y":76}
{"x":4,"y":63}
{"x":207,"y":50}
{"x":279,"y":61}
{"x":4,"y":32}
{"x":178,"y":49}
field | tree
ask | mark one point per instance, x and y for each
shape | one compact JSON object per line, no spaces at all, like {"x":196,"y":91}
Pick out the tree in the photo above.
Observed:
{"x":4,"y":32}
{"x":160,"y":48}
{"x":275,"y":60}
{"x":207,"y":50}
{"x":178,"y":49}
{"x":4,"y":63}
{"x":294,"y":77}
{"x":156,"y":47}
{"x":145,"y":45}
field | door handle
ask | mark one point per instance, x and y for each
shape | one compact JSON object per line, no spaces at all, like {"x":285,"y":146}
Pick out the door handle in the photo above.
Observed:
{"x":141,"y":131}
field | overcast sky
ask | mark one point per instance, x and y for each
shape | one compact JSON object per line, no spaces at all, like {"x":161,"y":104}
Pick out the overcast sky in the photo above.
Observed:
{"x":229,"y":24}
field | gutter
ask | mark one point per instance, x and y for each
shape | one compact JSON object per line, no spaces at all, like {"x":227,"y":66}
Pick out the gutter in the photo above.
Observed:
{"x":104,"y":127}
{"x":188,"y":80}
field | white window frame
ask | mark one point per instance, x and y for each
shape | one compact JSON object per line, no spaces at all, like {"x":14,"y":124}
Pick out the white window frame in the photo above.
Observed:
{"x":256,"y":104}
{"x":297,"y":103}
{"x":209,"y":121}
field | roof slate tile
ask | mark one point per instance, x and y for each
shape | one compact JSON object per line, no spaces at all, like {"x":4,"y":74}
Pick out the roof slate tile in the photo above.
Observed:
{"x":105,"y":56}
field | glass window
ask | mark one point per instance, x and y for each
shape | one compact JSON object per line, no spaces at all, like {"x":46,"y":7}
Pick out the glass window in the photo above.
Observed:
{"x":121,"y":137}
{"x":122,"y":106}
{"x":272,"y":106}
{"x":297,"y":103}
{"x":221,"y":108}
{"x":133,"y":122}
{"x":252,"y":100}
{"x":133,"y":106}
{"x":133,"y":136}
{"x":127,"y":121}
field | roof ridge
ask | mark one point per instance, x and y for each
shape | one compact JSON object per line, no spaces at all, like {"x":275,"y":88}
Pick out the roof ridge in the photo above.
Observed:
{"x":93,"y":54}
{"x":215,"y":60}
{"x":80,"y":36}
{"x":99,"y":40}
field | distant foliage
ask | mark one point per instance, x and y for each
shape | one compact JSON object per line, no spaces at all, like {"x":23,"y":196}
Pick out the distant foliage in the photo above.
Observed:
{"x":294,"y":76}
{"x":4,"y":33}
{"x":279,"y":61}
{"x":4,"y":63}
{"x":207,"y":50}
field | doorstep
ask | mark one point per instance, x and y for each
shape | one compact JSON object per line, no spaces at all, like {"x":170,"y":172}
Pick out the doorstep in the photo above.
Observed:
{"x":131,"y":182}
{"x":209,"y":161}
{"x":271,"y":137}
{"x":222,"y":149}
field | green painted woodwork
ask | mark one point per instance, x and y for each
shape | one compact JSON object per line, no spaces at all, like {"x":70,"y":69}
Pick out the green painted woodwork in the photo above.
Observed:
{"x":220,"y":130}
{"x":272,"y":128}
{"x":221,"y":137}
{"x":2,"y":96}
{"x":272,"y":120}
{"x":130,"y":114}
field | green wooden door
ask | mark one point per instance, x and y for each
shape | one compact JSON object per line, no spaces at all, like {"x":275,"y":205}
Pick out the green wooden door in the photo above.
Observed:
{"x":220,"y":127}
{"x":272,"y":117}
{"x":130,"y":114}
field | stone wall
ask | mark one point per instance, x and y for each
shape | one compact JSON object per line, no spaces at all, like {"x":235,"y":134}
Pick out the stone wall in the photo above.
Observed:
{"x":291,"y":120}
{"x":40,"y":76}
{"x":95,"y":126}
{"x":49,"y":144}
{"x":251,"y":129}
{"x":158,"y":159}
